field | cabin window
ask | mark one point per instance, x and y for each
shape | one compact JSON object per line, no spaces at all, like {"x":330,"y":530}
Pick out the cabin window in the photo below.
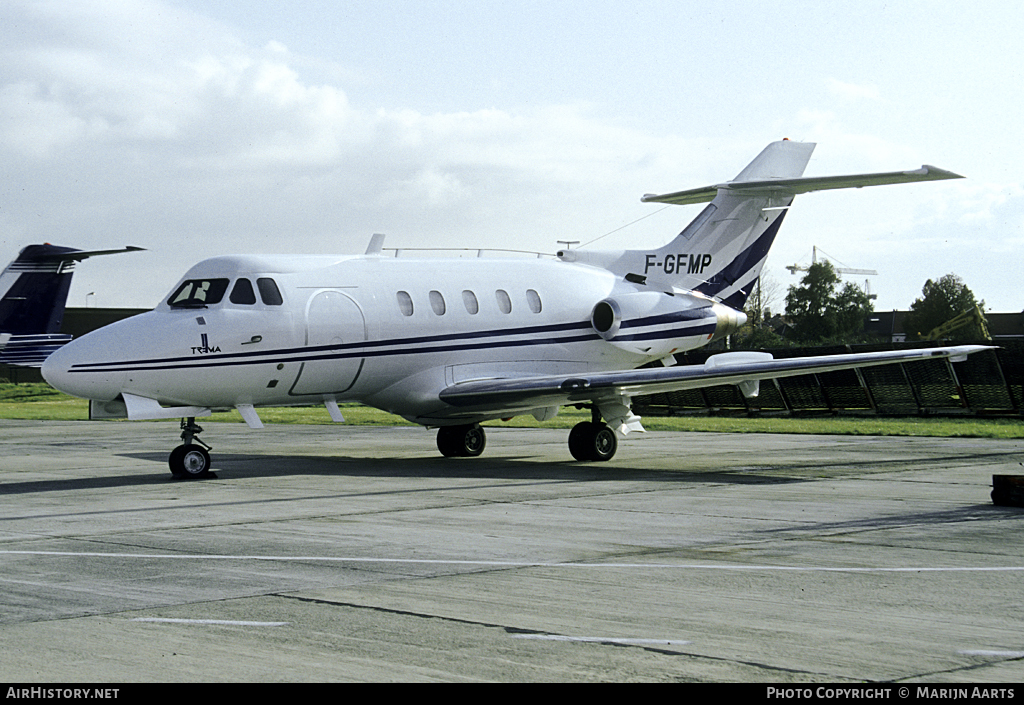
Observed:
{"x":198,"y":293}
{"x":269,"y":292}
{"x":437,"y":302}
{"x":504,"y":302}
{"x":405,"y":303}
{"x":469,"y":299}
{"x":533,"y":300}
{"x":242,"y":293}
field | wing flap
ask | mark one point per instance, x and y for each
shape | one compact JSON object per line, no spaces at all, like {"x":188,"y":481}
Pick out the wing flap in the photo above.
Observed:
{"x":532,"y":392}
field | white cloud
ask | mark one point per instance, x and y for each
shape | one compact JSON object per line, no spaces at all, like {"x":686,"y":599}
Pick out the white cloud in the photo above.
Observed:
{"x":853,"y":91}
{"x":35,"y":124}
{"x":204,"y":146}
{"x":990,"y":203}
{"x":134,"y":121}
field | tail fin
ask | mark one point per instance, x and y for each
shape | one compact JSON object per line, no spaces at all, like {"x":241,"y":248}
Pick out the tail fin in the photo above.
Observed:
{"x":722,"y":251}
{"x":725,"y":247}
{"x":33,"y":293}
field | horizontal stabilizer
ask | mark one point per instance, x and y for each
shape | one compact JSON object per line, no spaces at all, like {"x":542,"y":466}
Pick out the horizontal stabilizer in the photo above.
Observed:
{"x":791,"y":187}
{"x":29,"y":350}
{"x":79,"y":255}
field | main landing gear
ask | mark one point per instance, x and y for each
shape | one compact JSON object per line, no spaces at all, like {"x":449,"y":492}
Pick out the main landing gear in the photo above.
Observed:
{"x":588,"y":441}
{"x":465,"y":441}
{"x":592,"y":440}
{"x":191,"y":460}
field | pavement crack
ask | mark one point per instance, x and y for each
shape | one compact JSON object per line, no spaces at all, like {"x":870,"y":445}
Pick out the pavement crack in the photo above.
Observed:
{"x":521,"y":631}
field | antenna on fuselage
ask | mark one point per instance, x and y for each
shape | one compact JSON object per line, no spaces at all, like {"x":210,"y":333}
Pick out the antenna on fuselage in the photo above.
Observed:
{"x":376,"y":245}
{"x":564,"y":253}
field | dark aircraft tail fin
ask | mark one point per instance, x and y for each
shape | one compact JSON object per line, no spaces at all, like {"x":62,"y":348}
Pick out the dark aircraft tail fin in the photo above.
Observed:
{"x":33,"y":293}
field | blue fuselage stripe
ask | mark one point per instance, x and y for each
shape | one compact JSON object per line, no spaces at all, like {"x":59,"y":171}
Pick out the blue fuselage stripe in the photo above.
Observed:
{"x":742,"y":265}
{"x":556,"y":334}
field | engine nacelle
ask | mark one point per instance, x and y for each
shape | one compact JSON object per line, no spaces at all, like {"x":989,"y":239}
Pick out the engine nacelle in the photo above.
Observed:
{"x":657,"y":324}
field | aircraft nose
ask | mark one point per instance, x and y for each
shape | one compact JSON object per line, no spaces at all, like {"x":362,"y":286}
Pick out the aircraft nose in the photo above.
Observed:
{"x":59,"y":371}
{"x":56,"y":370}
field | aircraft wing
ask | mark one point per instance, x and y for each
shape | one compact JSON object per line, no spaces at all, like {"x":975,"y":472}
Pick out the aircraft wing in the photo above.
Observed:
{"x":804,"y":185}
{"x":743,"y":369}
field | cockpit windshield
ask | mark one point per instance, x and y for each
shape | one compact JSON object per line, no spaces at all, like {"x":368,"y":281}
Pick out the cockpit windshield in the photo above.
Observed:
{"x":198,"y":293}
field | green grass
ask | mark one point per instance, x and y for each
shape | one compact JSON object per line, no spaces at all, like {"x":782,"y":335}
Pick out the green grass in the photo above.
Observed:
{"x":42,"y":402}
{"x":39,"y":401}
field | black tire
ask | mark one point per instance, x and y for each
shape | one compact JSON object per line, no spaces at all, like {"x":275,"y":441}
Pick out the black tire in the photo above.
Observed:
{"x":592,"y":442}
{"x":447,"y":442}
{"x":189,"y":461}
{"x":579,"y":441}
{"x":466,"y":441}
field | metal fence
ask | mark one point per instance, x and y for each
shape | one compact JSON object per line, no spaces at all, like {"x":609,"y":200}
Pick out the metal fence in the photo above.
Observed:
{"x":988,"y":383}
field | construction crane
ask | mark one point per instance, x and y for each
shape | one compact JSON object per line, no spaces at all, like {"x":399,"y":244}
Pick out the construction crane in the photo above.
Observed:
{"x":794,"y":268}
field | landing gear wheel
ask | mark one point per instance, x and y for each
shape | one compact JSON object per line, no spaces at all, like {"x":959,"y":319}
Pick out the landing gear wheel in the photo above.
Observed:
{"x":604,"y":444}
{"x":578,"y":440}
{"x":592,"y":441}
{"x":189,"y":461}
{"x":461,"y":441}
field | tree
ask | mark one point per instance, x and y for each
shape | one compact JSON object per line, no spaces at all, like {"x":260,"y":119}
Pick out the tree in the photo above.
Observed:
{"x":940,"y":301}
{"x":761,"y":337}
{"x":758,"y":333}
{"x":763,"y":299}
{"x":821,"y":312}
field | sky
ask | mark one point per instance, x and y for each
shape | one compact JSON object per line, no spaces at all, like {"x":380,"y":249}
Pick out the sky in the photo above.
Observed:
{"x":195,"y":128}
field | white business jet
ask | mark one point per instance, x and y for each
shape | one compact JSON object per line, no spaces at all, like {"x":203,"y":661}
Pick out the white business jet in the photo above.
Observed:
{"x":449,"y":343}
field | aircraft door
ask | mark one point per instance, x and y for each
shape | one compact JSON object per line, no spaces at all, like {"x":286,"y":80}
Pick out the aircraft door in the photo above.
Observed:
{"x":333,"y":320}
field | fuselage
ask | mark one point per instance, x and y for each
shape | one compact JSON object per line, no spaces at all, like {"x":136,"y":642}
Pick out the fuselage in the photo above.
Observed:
{"x":389,"y":332}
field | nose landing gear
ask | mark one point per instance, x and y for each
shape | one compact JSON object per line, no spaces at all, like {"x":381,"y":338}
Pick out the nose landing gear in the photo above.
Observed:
{"x":191,"y":460}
